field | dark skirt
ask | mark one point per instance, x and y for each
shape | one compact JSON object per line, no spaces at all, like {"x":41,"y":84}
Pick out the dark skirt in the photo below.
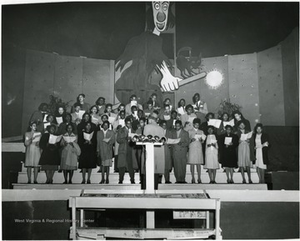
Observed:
{"x":88,"y":157}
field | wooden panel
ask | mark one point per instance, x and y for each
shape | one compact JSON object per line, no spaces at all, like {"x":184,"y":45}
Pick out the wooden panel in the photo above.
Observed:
{"x":39,"y":82}
{"x":243,"y":85}
{"x":212,"y":97}
{"x":68,"y":78}
{"x":96,"y":80}
{"x":271,"y":87}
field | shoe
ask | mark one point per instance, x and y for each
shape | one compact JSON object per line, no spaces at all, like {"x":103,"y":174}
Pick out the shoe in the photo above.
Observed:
{"x":232,"y":181}
{"x":65,"y":183}
{"x":70,"y":182}
{"x":228,"y":181}
{"x":250,"y":182}
{"x":211,"y":182}
{"x":107,"y":181}
{"x":199,"y":181}
{"x":29,"y":182}
{"x":83,"y":182}
{"x":59,"y":171}
{"x":35,"y":182}
{"x":244,"y":181}
{"x":88,"y":182}
{"x":193,"y":181}
{"x":132,"y":182}
{"x":168,"y":182}
{"x":120,"y":182}
{"x":214,"y":182}
{"x":102,"y":181}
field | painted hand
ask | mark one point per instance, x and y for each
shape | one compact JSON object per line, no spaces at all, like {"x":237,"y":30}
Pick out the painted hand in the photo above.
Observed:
{"x":168,"y":82}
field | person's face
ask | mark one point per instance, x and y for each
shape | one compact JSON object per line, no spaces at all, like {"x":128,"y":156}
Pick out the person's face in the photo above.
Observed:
{"x":122,"y":114}
{"x":101,"y":102}
{"x":140,"y":113}
{"x":150,"y":106}
{"x":164,"y":125}
{"x":50,"y":118}
{"x":128,"y":124}
{"x":33,"y":127}
{"x":94,"y":110}
{"x":86,"y":117}
{"x":237,"y":116}
{"x":182,"y":102}
{"x":174,"y":115}
{"x":44,"y":108}
{"x":189,"y":110}
{"x":108,"y":109}
{"x":81,"y":98}
{"x":167,"y":102}
{"x":88,"y":126}
{"x":177,"y":126}
{"x":259,"y":130}
{"x":210,"y":131}
{"x":69,"y":129}
{"x":154,"y":97}
{"x":134,"y":109}
{"x":133,"y":98}
{"x":122,"y":107}
{"x":68,"y":118}
{"x":228,"y":130}
{"x":210,"y":117}
{"x":77,"y":108}
{"x":167,"y":109}
{"x":105,"y":126}
{"x":142,"y":123}
{"x":51,"y":130}
{"x":242,"y":126}
{"x":196,"y":125}
{"x":60,"y":110}
{"x":104,"y":118}
{"x":225,"y":117}
{"x":197,"y":97}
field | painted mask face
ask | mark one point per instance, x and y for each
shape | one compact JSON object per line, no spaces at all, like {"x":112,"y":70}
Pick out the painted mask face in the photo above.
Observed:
{"x":160,"y":14}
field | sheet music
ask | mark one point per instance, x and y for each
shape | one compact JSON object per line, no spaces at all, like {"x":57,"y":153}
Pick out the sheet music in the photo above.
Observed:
{"x":88,"y":136}
{"x":180,"y":110}
{"x":69,"y":139}
{"x":214,"y":122}
{"x":173,"y":141}
{"x":231,"y":123}
{"x":228,"y":140}
{"x":167,"y":117}
{"x":54,"y":139}
{"x":46,"y":124}
{"x":37,"y":136}
{"x":45,"y":118}
{"x":59,"y":120}
{"x":80,"y":114}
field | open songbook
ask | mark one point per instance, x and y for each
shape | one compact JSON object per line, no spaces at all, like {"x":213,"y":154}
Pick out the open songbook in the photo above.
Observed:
{"x":106,"y":139}
{"x":36,"y":136}
{"x":228,"y":140}
{"x":80,"y":114}
{"x":173,"y":141}
{"x":88,"y":136}
{"x":69,"y":139}
{"x":111,"y":119}
{"x":59,"y":120}
{"x":231,"y":123}
{"x":247,"y":136}
{"x":121,"y":122}
{"x":214,"y":122}
{"x":54,"y":139}
{"x":181,"y":111}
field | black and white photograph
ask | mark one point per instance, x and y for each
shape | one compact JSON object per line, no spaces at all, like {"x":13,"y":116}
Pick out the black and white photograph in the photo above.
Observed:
{"x":140,"y":120}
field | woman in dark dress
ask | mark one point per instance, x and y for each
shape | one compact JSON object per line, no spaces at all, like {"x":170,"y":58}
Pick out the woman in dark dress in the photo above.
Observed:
{"x":86,"y":118}
{"x":228,"y":143}
{"x":50,"y":158}
{"x":88,"y":156}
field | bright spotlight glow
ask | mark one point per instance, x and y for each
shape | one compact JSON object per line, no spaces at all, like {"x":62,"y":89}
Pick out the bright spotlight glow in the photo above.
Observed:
{"x":214,"y":79}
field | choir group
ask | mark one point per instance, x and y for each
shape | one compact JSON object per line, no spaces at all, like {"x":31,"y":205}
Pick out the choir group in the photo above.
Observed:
{"x":100,"y":135}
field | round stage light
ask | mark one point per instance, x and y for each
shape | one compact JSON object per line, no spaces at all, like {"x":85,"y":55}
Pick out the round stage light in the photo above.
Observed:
{"x":214,"y":79}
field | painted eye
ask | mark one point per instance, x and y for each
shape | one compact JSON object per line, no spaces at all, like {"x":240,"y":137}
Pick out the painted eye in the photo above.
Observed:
{"x":165,"y":6}
{"x":156,"y":6}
